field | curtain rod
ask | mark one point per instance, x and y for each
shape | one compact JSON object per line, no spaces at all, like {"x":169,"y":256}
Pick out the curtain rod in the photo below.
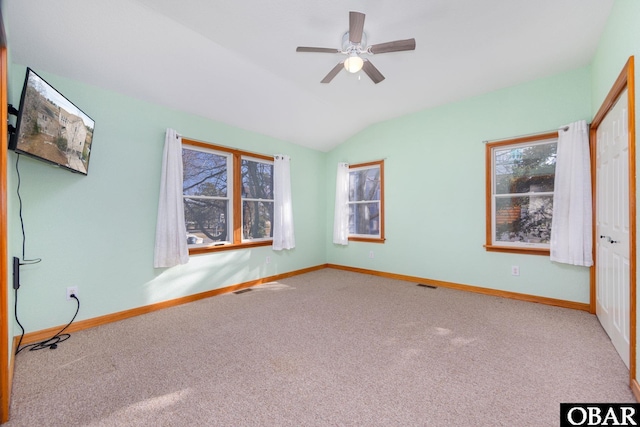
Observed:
{"x":368,"y":161}
{"x":178,"y":136}
{"x":562,"y":128}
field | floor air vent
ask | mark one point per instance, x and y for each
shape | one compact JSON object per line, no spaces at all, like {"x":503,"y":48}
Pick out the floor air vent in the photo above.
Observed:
{"x":427,"y":286}
{"x":242,"y":291}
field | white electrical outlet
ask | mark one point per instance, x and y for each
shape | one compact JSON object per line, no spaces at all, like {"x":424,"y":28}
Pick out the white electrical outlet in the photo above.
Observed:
{"x":515,"y":270}
{"x":268,"y":260}
{"x":72,"y":290}
{"x":370,"y":254}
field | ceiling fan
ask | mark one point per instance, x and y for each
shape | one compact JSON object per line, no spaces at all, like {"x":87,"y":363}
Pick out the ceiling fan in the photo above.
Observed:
{"x":354,"y":44}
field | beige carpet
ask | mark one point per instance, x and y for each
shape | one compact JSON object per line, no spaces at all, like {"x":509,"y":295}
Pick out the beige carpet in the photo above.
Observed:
{"x":328,"y":348}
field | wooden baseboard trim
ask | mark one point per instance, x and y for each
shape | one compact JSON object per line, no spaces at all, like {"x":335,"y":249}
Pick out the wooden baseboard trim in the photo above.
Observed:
{"x":635,"y":388}
{"x":44,"y":334}
{"x":37,"y":336}
{"x":476,"y":289}
{"x":12,"y":362}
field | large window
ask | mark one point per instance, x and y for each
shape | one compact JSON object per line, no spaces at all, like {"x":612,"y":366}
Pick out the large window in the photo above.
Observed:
{"x":520,"y":184}
{"x":228,"y":197}
{"x":366,"y":202}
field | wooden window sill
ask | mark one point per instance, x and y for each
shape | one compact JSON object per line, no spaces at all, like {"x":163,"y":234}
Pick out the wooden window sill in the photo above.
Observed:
{"x":518,"y":250}
{"x":231,"y":247}
{"x":366,"y":239}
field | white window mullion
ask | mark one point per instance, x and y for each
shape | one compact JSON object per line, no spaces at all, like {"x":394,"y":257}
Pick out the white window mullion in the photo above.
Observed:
{"x":541,"y":193}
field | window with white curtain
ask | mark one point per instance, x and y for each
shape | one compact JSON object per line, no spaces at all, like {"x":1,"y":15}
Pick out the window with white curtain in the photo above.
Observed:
{"x":520,"y":189}
{"x":366,"y":201}
{"x":228,"y":197}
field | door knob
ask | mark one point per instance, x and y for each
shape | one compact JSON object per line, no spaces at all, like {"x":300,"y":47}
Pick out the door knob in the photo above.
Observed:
{"x":609,"y":239}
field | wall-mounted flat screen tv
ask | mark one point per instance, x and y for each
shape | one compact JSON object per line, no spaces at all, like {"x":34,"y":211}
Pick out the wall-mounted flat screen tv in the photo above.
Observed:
{"x":51,"y":128}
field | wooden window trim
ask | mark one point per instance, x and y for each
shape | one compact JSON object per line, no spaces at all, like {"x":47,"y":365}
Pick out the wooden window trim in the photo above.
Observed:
{"x":489,"y":146}
{"x":236,"y":202}
{"x":381,"y":239}
{"x":226,"y":149}
{"x":625,"y":80}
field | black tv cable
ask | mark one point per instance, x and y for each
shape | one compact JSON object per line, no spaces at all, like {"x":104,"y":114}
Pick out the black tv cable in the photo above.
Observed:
{"x":52,"y":342}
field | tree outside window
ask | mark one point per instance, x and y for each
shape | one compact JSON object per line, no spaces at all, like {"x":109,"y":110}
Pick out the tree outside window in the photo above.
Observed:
{"x":206,"y":199}
{"x":257,"y":199}
{"x":520,"y":192}
{"x":228,"y":197}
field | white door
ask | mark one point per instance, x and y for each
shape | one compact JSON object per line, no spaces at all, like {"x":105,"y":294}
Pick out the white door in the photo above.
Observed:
{"x":612,"y":226}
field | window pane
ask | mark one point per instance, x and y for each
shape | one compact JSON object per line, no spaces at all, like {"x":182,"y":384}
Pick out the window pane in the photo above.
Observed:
{"x":256,"y":220}
{"x":364,"y":218}
{"x":206,"y":220}
{"x":257,"y":180}
{"x":525,"y":169}
{"x":364,"y":184}
{"x":523,"y":219}
{"x":204,"y":173}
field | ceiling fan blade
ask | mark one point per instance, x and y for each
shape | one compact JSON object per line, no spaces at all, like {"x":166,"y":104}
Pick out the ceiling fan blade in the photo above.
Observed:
{"x":333,"y":73}
{"x":356,"y":26}
{"x":372,"y":72}
{"x":317,"y":49}
{"x":395,"y":46}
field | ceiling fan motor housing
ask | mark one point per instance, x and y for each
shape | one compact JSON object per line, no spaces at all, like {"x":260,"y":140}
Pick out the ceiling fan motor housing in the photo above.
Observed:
{"x":349,"y":47}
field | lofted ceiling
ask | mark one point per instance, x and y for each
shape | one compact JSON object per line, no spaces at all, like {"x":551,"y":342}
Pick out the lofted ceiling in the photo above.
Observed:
{"x":236,"y":61}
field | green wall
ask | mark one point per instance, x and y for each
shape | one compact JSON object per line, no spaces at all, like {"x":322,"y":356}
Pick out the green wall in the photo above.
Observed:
{"x":97,"y":231}
{"x":620,"y":40}
{"x":435,"y":188}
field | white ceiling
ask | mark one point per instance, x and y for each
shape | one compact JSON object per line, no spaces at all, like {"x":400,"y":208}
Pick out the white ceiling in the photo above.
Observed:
{"x":235,"y":61}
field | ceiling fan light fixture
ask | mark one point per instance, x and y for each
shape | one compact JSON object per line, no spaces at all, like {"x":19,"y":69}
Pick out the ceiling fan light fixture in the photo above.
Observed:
{"x":353,"y":63}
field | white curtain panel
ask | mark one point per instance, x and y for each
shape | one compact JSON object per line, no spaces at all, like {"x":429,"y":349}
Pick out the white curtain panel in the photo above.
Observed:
{"x":341,"y":212}
{"x":571,"y":223}
{"x":283,"y":235}
{"x":171,"y":234}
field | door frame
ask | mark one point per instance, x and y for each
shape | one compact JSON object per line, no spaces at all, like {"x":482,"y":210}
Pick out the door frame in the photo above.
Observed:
{"x":6,"y":361}
{"x":624,"y":81}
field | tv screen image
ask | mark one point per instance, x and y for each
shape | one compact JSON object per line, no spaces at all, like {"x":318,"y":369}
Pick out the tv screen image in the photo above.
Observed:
{"x":51,"y":128}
